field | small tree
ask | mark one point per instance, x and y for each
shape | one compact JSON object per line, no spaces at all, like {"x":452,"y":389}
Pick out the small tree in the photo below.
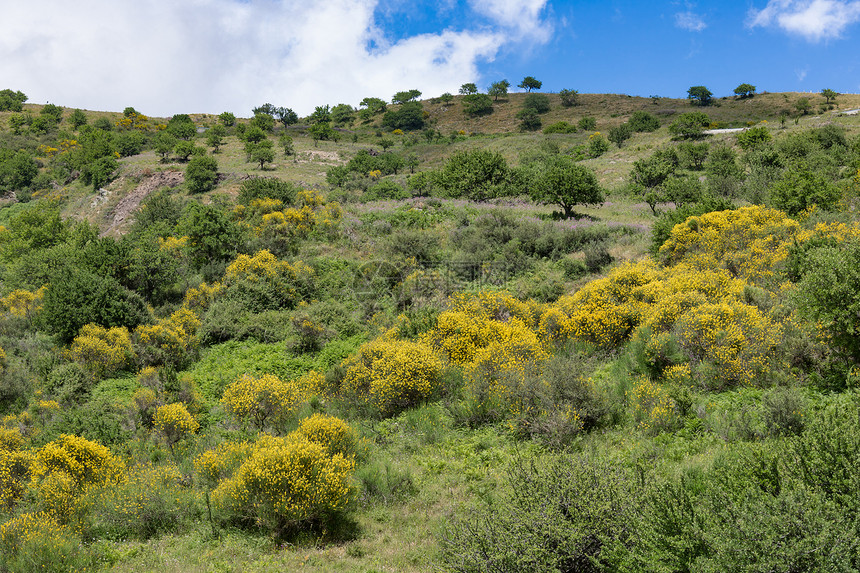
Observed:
{"x":183,"y":149}
{"x":529,"y":119}
{"x":643,"y":121}
{"x":537,"y":102}
{"x":803,"y":106}
{"x":587,"y":123}
{"x":446,"y":98}
{"x":342,"y":114}
{"x":286,"y":116}
{"x":829,"y":95}
{"x":569,"y":98}
{"x":201,"y":173}
{"x":373,"y":104}
{"x":287,"y":143}
{"x":262,"y":152}
{"x":619,"y":134}
{"x":745,"y":90}
{"x":469,"y":88}
{"x":499,"y":89}
{"x":215,"y":137}
{"x":227,"y":119}
{"x":403,"y":97}
{"x":77,"y":119}
{"x":385,"y":143}
{"x":163,"y":145}
{"x":321,"y":114}
{"x":529,"y":83}
{"x":563,"y":182}
{"x":320,"y":131}
{"x":699,"y":95}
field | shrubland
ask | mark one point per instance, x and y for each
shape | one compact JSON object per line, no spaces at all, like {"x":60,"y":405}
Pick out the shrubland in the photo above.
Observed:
{"x":426,"y":340}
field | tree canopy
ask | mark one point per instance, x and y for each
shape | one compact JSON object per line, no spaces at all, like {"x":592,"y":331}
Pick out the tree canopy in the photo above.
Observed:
{"x":558,"y":180}
{"x":529,"y":83}
{"x":699,"y":95}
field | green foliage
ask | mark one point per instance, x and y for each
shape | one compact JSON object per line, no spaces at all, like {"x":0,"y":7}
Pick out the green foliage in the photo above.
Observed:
{"x":587,"y":123}
{"x":385,"y":189}
{"x":563,"y":182}
{"x":564,"y":515}
{"x":498,"y":89}
{"x":829,"y":95}
{"x":342,"y":114}
{"x":803,"y":106}
{"x":569,"y":98}
{"x":406,"y":96}
{"x":267,"y":188}
{"x":263,"y":121}
{"x":201,"y":174}
{"x":754,"y":137}
{"x":183,"y":149}
{"x":262,"y":152}
{"x":662,"y":227}
{"x":163,"y":144}
{"x":468,"y":89}
{"x":745,"y":91}
{"x":373,"y":105}
{"x":12,"y":100}
{"x":212,"y":237}
{"x":215,"y":137}
{"x":560,"y":127}
{"x":475,"y":104}
{"x":181,"y":126}
{"x":643,"y":121}
{"x":537,"y":102}
{"x":620,"y":133}
{"x":76,"y":297}
{"x":17,"y":170}
{"x":409,"y":117}
{"x":693,"y":155}
{"x":529,"y":119}
{"x":227,"y":119}
{"x":827,"y":294}
{"x":800,"y":187}
{"x":699,"y":95}
{"x":689,"y":125}
{"x":477,"y":175}
{"x":529,"y":83}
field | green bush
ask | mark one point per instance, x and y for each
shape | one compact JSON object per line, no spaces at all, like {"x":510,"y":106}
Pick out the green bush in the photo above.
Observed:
{"x":262,"y":188}
{"x":566,"y":515}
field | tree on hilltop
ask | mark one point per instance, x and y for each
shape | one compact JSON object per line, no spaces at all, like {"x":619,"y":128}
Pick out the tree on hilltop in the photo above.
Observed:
{"x":529,"y":83}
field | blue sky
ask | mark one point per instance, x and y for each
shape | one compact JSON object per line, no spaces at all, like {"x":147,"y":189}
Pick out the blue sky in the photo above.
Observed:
{"x":165,"y":57}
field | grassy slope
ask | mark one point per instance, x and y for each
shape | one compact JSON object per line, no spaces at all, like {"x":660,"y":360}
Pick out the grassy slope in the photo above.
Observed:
{"x":448,"y":466}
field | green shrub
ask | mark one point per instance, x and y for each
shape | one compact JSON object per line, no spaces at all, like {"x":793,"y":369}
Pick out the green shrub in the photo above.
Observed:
{"x":385,"y":189}
{"x":262,"y":188}
{"x":565,"y":515}
{"x":560,"y":127}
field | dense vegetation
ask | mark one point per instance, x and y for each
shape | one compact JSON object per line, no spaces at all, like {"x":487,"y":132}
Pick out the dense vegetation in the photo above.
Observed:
{"x":432,"y":335}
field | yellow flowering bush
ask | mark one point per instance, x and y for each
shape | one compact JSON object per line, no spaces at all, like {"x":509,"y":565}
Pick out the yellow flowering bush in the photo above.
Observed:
{"x":263,"y":401}
{"x":102,"y":351}
{"x":198,"y":298}
{"x":38,"y":542}
{"x":152,"y":500}
{"x":169,"y":341}
{"x":332,"y":433}
{"x":263,"y":282}
{"x":174,"y":422}
{"x":288,"y":483}
{"x":750,"y":242}
{"x":392,"y":375}
{"x":219,"y":463}
{"x":15,"y":468}
{"x":23,"y":303}
{"x":653,"y":409}
{"x":68,"y":467}
{"x":733,"y":338}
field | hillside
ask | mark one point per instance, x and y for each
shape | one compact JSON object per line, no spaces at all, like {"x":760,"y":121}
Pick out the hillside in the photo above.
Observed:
{"x":329,"y":344}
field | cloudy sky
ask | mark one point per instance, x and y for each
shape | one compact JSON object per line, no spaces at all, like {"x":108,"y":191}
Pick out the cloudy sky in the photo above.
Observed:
{"x":188,"y":56}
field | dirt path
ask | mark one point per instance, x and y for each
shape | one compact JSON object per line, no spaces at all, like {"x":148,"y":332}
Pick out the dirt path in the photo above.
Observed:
{"x":129,"y":204}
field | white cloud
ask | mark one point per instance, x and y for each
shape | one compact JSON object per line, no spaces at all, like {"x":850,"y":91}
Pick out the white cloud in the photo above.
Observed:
{"x":815,"y":20}
{"x":520,"y":16}
{"x":690,"y":21}
{"x":165,"y":57}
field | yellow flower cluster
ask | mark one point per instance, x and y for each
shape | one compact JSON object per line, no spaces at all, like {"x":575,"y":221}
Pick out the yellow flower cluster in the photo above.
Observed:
{"x":102,"y":351}
{"x":43,"y":533}
{"x":264,"y":400}
{"x":287,"y":482}
{"x":265,"y":267}
{"x":23,"y":303}
{"x":200,"y":297}
{"x":47,"y":150}
{"x":392,"y":375}
{"x":174,"y":422}
{"x":172,"y":244}
{"x":333,"y":433}
{"x":750,"y":242}
{"x":270,"y":218}
{"x":66,"y":468}
{"x":169,"y":340}
{"x":653,"y":409}
{"x":217,"y":464}
{"x":134,"y":121}
{"x":15,"y":465}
